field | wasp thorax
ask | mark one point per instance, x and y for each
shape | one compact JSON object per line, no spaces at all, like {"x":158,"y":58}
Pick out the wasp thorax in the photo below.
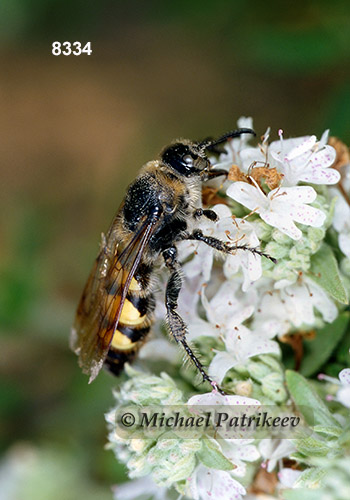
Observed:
{"x":185,"y":159}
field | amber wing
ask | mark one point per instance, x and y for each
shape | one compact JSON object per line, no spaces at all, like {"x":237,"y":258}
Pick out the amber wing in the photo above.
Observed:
{"x":104,"y":295}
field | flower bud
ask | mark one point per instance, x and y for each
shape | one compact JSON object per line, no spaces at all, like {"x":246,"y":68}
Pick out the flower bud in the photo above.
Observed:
{"x":281,"y":238}
{"x":276,"y":250}
{"x":243,"y":388}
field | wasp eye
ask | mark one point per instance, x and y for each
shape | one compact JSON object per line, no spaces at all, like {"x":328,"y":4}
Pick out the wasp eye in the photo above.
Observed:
{"x":180,"y":158}
{"x":188,"y":160}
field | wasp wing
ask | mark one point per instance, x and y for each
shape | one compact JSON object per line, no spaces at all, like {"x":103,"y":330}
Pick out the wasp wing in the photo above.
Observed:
{"x":104,"y":295}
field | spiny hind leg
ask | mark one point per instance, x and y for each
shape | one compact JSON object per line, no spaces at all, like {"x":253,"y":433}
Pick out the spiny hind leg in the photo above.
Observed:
{"x":175,"y":323}
{"x":223,"y":247}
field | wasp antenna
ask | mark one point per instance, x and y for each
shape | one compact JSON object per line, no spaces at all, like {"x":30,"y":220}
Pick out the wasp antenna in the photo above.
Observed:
{"x":211,"y":143}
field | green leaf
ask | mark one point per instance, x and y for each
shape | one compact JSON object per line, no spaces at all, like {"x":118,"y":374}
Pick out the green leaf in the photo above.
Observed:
{"x":343,"y":349}
{"x":319,"y":349}
{"x":211,"y":456}
{"x":311,"y":447}
{"x":310,"y":477}
{"x":329,"y":430}
{"x":324,"y":271}
{"x":310,"y":404}
{"x":344,"y":439}
{"x":301,"y":494}
{"x":299,"y":457}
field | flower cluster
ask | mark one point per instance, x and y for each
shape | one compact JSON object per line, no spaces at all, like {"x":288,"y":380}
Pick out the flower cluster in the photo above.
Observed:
{"x":250,"y":319}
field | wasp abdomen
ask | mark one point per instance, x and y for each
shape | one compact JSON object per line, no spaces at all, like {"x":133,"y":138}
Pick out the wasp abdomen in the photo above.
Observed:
{"x":134,"y":324}
{"x":116,"y":360}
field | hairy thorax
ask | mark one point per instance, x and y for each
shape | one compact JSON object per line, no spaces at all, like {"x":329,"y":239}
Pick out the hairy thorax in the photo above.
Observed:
{"x":158,"y":187}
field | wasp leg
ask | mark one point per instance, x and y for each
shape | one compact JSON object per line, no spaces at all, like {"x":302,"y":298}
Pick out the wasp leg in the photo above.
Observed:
{"x":176,"y":324}
{"x":209,"y":214}
{"x":221,"y":246}
{"x":212,"y":174}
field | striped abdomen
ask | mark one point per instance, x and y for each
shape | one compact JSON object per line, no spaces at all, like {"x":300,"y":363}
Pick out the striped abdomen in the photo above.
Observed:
{"x":134,"y":323}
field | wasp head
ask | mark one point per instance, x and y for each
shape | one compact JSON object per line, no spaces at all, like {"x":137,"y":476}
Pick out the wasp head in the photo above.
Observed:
{"x":190,"y":159}
{"x":187,"y":158}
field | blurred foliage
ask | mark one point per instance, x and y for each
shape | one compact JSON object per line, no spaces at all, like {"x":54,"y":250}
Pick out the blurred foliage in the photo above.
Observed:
{"x":307,"y":43}
{"x":48,"y":473}
{"x":75,"y":131}
{"x":304,"y":36}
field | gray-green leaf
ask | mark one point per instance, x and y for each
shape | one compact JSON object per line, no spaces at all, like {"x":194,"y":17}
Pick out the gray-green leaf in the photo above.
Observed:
{"x":324,"y":271}
{"x":329,"y":430}
{"x":310,"y":404}
{"x":301,"y":494}
{"x":310,"y":477}
{"x":212,"y":457}
{"x":311,"y":447}
{"x":318,"y":350}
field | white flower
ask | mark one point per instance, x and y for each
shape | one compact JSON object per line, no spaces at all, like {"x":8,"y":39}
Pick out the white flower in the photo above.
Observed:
{"x":258,"y":156}
{"x":273,"y":450}
{"x":232,"y":231}
{"x":140,"y":489}
{"x":234,"y":406}
{"x":270,"y":314}
{"x":245,"y":122}
{"x":202,"y":261}
{"x":225,"y":311}
{"x":288,"y":477}
{"x":281,"y":207}
{"x":210,"y":484}
{"x":214,"y":398}
{"x":241,"y":344}
{"x":235,"y":147}
{"x":239,"y":451}
{"x":301,"y":298}
{"x":305,"y":160}
{"x":343,"y":393}
{"x":283,"y":305}
{"x":241,"y":232}
{"x":189,"y":296}
{"x":300,"y":159}
{"x":341,"y":223}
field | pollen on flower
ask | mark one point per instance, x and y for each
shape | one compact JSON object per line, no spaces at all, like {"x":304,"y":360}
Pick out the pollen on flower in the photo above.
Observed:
{"x":270,"y":176}
{"x":235,"y":174}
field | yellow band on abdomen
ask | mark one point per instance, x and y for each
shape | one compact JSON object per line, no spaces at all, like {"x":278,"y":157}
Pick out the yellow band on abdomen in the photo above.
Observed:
{"x":122,"y":342}
{"x":130,"y":314}
{"x":134,"y":286}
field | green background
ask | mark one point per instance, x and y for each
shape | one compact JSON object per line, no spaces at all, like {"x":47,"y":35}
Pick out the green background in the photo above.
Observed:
{"x":73,"y":133}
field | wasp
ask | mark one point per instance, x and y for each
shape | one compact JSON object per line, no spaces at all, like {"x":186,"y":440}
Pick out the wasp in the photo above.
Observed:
{"x":161,"y":208}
